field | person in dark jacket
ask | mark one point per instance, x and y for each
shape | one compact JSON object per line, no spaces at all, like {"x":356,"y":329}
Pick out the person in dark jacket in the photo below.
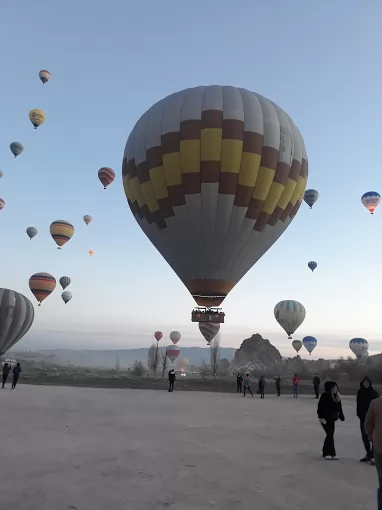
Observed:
{"x":261,"y":390}
{"x":329,"y":409}
{"x":278,"y":385}
{"x":172,"y":379}
{"x":239,"y":383}
{"x":6,"y":370}
{"x":316,"y":385}
{"x":365,"y":395}
{"x":16,"y":375}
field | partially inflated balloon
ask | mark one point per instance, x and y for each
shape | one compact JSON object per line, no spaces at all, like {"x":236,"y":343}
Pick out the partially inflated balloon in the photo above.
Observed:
{"x":16,"y":148}
{"x":44,"y":76}
{"x":32,"y":232}
{"x":309,"y":343}
{"x":2,"y":204}
{"x":87,"y":219}
{"x":371,"y":200}
{"x":37,"y":117}
{"x":175,"y":337}
{"x":66,"y":296}
{"x":173,"y":352}
{"x":209,"y":330}
{"x":312,"y":265}
{"x":158,"y":335}
{"x":213,"y":176}
{"x":61,"y":231}
{"x":297,"y":345}
{"x":16,"y":317}
{"x":311,"y":197}
{"x":106,"y":176}
{"x":64,"y":282}
{"x":290,"y":315}
{"x":42,"y":285}
{"x":359,"y":347}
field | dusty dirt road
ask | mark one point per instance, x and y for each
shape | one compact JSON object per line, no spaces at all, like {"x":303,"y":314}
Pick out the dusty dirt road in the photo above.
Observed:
{"x":109,"y":449}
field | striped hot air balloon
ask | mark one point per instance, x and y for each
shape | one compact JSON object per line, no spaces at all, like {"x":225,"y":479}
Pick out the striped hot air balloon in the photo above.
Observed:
{"x":16,"y":148}
{"x":209,"y":330}
{"x":61,"y":231}
{"x":158,"y":335}
{"x":44,"y":76}
{"x":310,"y":343}
{"x":42,"y":285}
{"x":64,"y":282}
{"x":371,"y":200}
{"x":290,"y":315}
{"x":16,"y":318}
{"x":106,"y":176}
{"x":173,"y":352}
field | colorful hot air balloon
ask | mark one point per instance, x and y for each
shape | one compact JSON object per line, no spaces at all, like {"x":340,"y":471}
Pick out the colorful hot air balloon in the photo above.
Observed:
{"x":106,"y":176}
{"x":64,"y":282}
{"x":310,"y":343}
{"x":209,"y":330}
{"x":158,"y":335}
{"x":2,"y":204}
{"x":31,"y":232}
{"x":44,"y":76}
{"x":173,"y":352}
{"x":312,"y":265}
{"x":61,"y":231}
{"x":37,"y":117}
{"x":16,"y":318}
{"x":359,"y":347}
{"x":87,"y":219}
{"x":290,"y":315}
{"x":175,"y":337}
{"x":221,"y":148}
{"x":66,"y":296}
{"x":91,"y":252}
{"x":371,"y":200}
{"x":42,"y":285}
{"x":16,"y":148}
{"x":297,"y":345}
{"x":311,"y":197}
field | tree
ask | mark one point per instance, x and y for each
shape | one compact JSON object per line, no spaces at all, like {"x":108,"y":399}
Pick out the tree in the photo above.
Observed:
{"x":117,"y":364}
{"x":215,"y":354}
{"x":153,"y":357}
{"x":138,"y":368}
{"x":162,"y":356}
{"x":223,"y":367}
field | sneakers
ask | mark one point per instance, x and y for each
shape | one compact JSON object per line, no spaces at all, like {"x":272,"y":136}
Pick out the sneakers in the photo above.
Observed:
{"x":334,"y":457}
{"x":330,"y":457}
{"x":365,"y":459}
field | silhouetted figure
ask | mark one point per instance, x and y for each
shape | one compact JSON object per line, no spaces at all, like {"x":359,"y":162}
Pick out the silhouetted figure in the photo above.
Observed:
{"x":6,"y":370}
{"x":247,"y":385}
{"x":172,"y":379}
{"x":329,"y":410}
{"x":239,"y":383}
{"x":366,"y":394}
{"x":16,"y":375}
{"x":373,"y":428}
{"x":296,"y":385}
{"x":316,"y":385}
{"x":278,"y":385}
{"x":261,"y":387}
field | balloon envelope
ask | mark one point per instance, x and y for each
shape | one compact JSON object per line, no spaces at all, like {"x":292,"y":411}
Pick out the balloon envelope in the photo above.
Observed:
{"x":106,"y":176}
{"x":290,"y":315}
{"x":359,"y":346}
{"x":173,"y":352}
{"x":312,"y":265}
{"x":64,"y":281}
{"x":209,"y":330}
{"x":31,"y":232}
{"x":66,"y":296}
{"x":16,"y":318}
{"x":2,"y":204}
{"x":175,"y":337}
{"x":158,"y":335}
{"x":44,"y":76}
{"x":61,"y":231}
{"x":91,"y":252}
{"x":212,"y":183}
{"x":309,"y":343}
{"x":371,"y":200}
{"x":87,"y":219}
{"x":42,"y":285}
{"x":16,"y":148}
{"x":37,"y":117}
{"x":297,"y":345}
{"x":1,"y":174}
{"x":311,"y":197}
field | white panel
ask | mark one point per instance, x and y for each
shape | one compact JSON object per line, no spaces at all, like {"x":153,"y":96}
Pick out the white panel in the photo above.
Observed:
{"x":253,"y":112}
{"x":298,"y":142}
{"x":240,"y":242}
{"x":213,"y":98}
{"x":286,"y":137}
{"x":209,"y":207}
{"x":140,"y":139}
{"x":271,"y":124}
{"x":223,"y":217}
{"x":194,"y":243}
{"x":233,"y":104}
{"x":129,"y":147}
{"x":172,"y":112}
{"x":192,"y":104}
{"x":154,"y":127}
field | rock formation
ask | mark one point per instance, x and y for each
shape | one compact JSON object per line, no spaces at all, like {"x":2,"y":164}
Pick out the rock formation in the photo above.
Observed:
{"x":256,"y":354}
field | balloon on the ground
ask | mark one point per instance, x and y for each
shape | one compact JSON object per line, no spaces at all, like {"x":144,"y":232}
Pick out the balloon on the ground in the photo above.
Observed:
{"x":312,"y":265}
{"x":66,"y":296}
{"x":16,"y":148}
{"x":61,"y":231}
{"x":359,"y":347}
{"x":64,"y":282}
{"x":209,"y":330}
{"x":31,"y":232}
{"x":91,"y":252}
{"x":158,"y":335}
{"x":297,"y":345}
{"x":42,"y":285}
{"x":106,"y":176}
{"x":290,"y":315}
{"x":2,"y":203}
{"x":371,"y":200}
{"x":173,"y":352}
{"x":87,"y":219}
{"x":175,"y":337}
{"x":37,"y":117}
{"x":311,"y":197}
{"x":242,"y":164}
{"x":44,"y":76}
{"x":309,"y":343}
{"x":16,"y":318}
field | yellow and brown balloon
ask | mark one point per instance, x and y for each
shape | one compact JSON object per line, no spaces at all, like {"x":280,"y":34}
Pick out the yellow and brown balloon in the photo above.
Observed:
{"x":37,"y":117}
{"x":61,"y":231}
{"x":42,"y":285}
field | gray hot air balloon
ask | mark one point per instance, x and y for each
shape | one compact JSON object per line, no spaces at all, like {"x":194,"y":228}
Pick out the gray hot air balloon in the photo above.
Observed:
{"x":32,"y":232}
{"x":66,"y":296}
{"x":65,"y":281}
{"x":16,"y":148}
{"x":16,"y":317}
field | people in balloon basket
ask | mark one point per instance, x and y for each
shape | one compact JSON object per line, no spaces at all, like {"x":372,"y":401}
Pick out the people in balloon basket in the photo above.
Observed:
{"x":247,"y":385}
{"x":373,"y":429}
{"x":171,"y":380}
{"x":316,"y":385}
{"x":239,"y":383}
{"x":366,"y":394}
{"x":296,"y":385}
{"x":6,"y":370}
{"x":329,"y":410}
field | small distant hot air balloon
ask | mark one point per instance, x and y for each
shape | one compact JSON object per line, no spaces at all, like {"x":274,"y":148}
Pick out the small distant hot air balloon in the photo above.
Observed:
{"x":359,"y":347}
{"x":371,"y":200}
{"x":44,"y":76}
{"x":2,"y":204}
{"x":61,"y":231}
{"x":87,"y":219}
{"x":209,"y":330}
{"x":106,"y":176}
{"x":310,"y":343}
{"x":91,"y":252}
{"x":64,"y":282}
{"x":173,"y":352}
{"x":66,"y":296}
{"x":175,"y":337}
{"x":158,"y":335}
{"x":312,"y":265}
{"x":16,"y":148}
{"x":1,"y":174}
{"x":311,"y":197}
{"x":31,"y":232}
{"x":16,"y":317}
{"x":297,"y":345}
{"x":37,"y":117}
{"x":290,"y":315}
{"x":42,"y":285}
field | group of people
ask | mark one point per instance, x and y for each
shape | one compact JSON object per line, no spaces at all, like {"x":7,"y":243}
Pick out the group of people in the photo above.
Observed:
{"x":243,"y":385}
{"x":16,"y":374}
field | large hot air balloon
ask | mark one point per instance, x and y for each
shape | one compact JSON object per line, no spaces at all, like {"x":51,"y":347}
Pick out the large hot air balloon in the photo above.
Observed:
{"x":106,"y":176}
{"x":158,"y":335}
{"x":311,"y":197}
{"x":209,"y":330}
{"x":312,"y":265}
{"x":309,"y":342}
{"x":16,"y":317}
{"x":31,"y":232}
{"x":2,"y":203}
{"x":42,"y":285}
{"x":37,"y":117}
{"x":66,"y":296}
{"x":213,"y":176}
{"x":91,"y":252}
{"x":61,"y":231}
{"x":64,"y":282}
{"x":290,"y":315}
{"x":44,"y":76}
{"x":297,"y":345}
{"x":87,"y":219}
{"x":16,"y":148}
{"x":173,"y":352}
{"x":175,"y":337}
{"x":359,"y":346}
{"x":371,"y":200}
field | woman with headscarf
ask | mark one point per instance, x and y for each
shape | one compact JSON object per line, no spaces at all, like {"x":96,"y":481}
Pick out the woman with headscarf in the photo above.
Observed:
{"x":365,"y":395}
{"x":329,"y":409}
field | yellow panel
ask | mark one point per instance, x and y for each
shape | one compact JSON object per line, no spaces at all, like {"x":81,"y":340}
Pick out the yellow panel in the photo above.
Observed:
{"x":211,"y":144}
{"x":231,"y":156}
{"x":190,"y":156}
{"x":249,"y":170}
{"x":148,"y":192}
{"x":172,"y":170}
{"x":287,"y":193}
{"x":159,"y":182}
{"x":298,"y":190}
{"x":138,"y":191}
{"x":129,"y":191}
{"x":302,"y":191}
{"x":263,"y":183}
{"x":273,"y":197}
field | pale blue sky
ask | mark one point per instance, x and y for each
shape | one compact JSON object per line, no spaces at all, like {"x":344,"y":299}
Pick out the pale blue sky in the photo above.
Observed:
{"x":110,"y":61}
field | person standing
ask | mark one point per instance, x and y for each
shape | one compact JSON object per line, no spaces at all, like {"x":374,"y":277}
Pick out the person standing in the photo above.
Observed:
{"x":6,"y":370}
{"x":316,"y":385}
{"x":296,"y":385}
{"x":239,"y":383}
{"x":365,"y":395}
{"x":373,"y":428}
{"x":278,"y":385}
{"x":262,"y":387}
{"x":171,"y":379}
{"x":16,"y":375}
{"x":329,"y":409}
{"x":247,"y":385}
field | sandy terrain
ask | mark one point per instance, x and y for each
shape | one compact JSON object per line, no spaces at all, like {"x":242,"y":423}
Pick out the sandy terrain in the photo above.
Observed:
{"x":110,"y":449}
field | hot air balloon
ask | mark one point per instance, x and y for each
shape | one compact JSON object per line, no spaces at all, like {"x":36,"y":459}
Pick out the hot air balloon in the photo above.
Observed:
{"x":44,"y":76}
{"x":37,"y":117}
{"x":311,"y":197}
{"x":42,"y":285}
{"x":173,"y":352}
{"x":87,"y":219}
{"x":91,"y":253}
{"x":209,"y":330}
{"x":175,"y":337}
{"x":2,"y":204}
{"x":290,"y":315}
{"x":309,"y":342}
{"x":66,"y":296}
{"x":1,"y":174}
{"x":312,"y":265}
{"x":61,"y":231}
{"x":158,"y":335}
{"x":296,"y":344}
{"x":106,"y":176}
{"x":31,"y":232}
{"x":371,"y":200}
{"x":64,"y":282}
{"x":16,"y":318}
{"x":359,"y":346}
{"x":16,"y":148}
{"x":221,"y":148}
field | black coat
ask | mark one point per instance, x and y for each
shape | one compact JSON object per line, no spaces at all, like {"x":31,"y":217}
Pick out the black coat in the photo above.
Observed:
{"x":328,"y":408}
{"x":364,"y":398}
{"x":316,"y":381}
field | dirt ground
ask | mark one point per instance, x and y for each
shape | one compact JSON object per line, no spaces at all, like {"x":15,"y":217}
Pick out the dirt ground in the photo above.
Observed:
{"x":111,"y":449}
